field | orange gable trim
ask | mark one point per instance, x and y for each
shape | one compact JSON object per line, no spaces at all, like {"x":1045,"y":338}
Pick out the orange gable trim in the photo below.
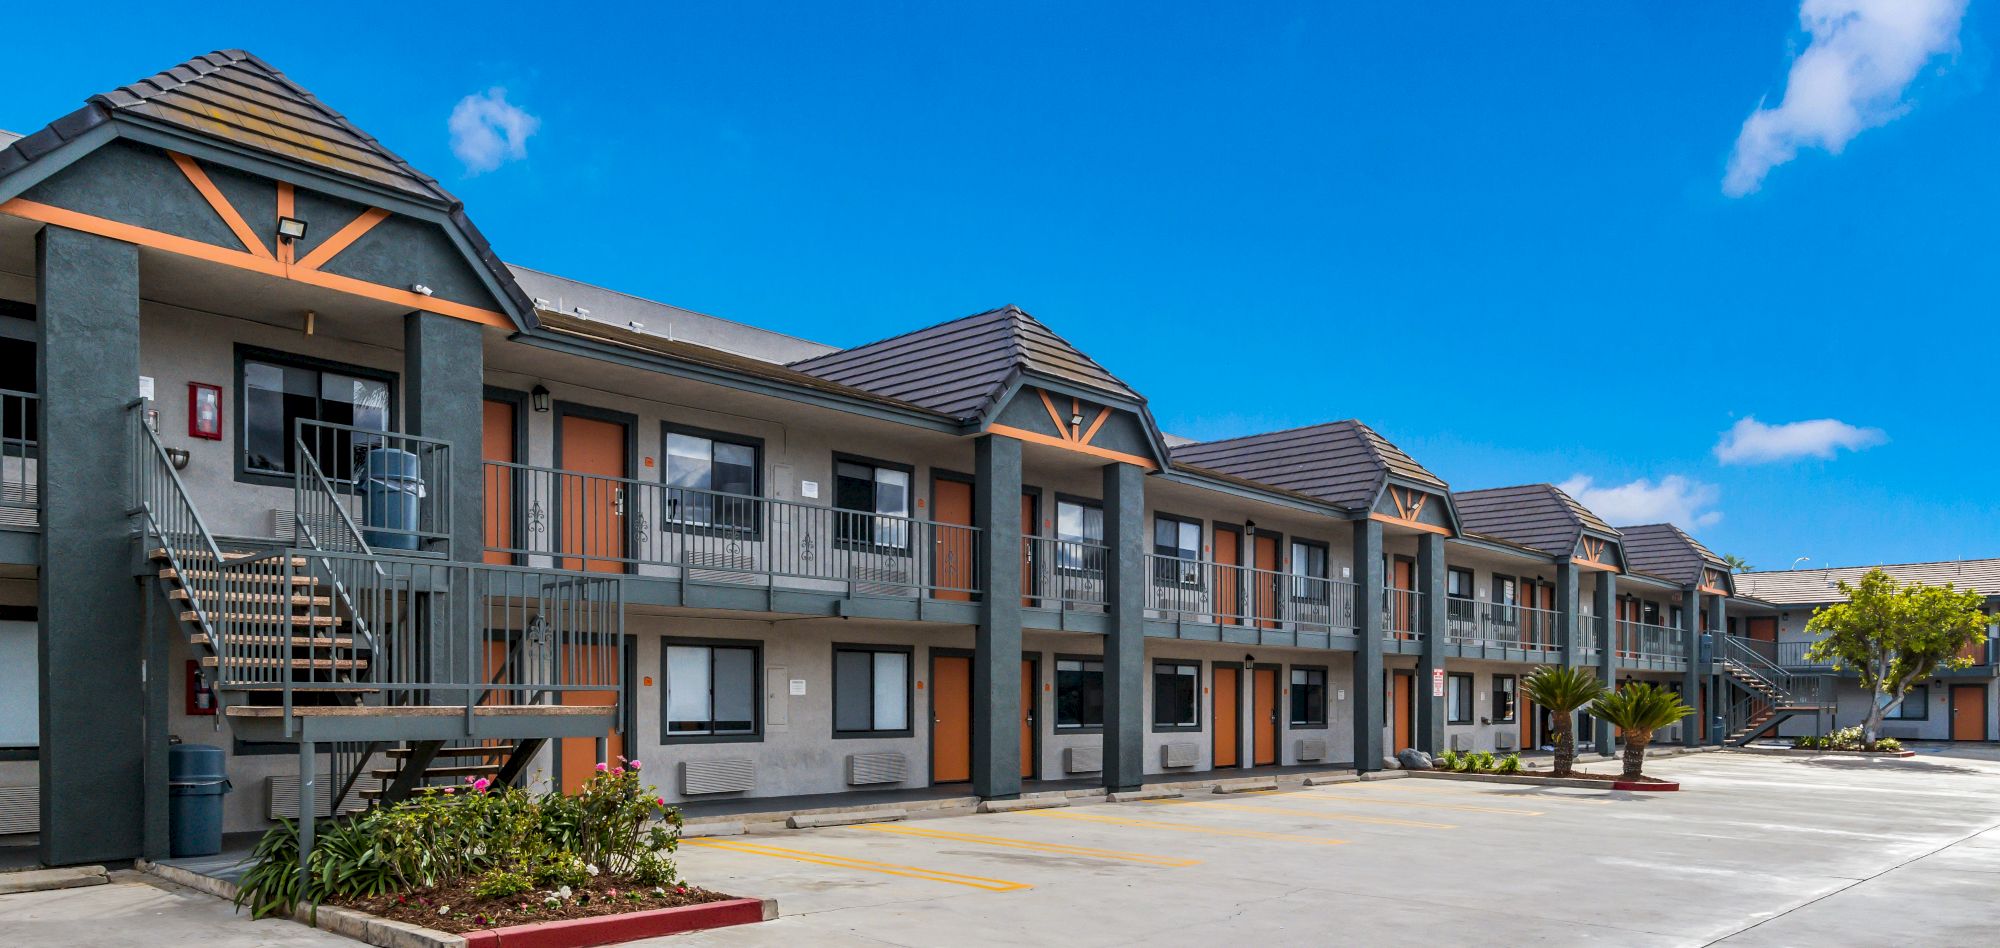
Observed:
{"x":223,"y":209}
{"x":1412,"y":524}
{"x":346,"y":236}
{"x":1037,"y":437}
{"x":1593,"y":564}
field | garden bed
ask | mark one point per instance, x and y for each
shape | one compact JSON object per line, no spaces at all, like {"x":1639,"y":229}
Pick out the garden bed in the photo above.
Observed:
{"x":454,"y":908}
{"x":1575,"y":779}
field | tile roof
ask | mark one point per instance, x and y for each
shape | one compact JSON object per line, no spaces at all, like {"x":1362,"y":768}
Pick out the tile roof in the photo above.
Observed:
{"x":1666,"y":551}
{"x":1817,"y":586}
{"x":1341,"y":462}
{"x":233,"y":95}
{"x":1539,"y":516}
{"x":960,"y":367}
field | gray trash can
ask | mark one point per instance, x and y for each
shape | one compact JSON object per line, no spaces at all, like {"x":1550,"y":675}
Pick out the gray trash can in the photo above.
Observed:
{"x":391,"y":488}
{"x":196,"y":781}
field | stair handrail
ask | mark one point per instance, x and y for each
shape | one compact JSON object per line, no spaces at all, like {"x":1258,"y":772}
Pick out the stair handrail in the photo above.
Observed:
{"x":310,"y":477}
{"x":161,"y":498}
{"x":1756,"y":664}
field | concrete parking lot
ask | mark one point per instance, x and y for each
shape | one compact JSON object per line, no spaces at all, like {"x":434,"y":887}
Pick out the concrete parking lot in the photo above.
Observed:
{"x":1756,"y":850}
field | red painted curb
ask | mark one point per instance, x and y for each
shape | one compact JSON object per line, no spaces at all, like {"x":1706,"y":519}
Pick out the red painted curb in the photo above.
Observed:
{"x":612,"y":929}
{"x":1636,"y":785}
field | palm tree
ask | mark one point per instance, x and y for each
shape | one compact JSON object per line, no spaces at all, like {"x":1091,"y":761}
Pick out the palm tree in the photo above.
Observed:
{"x":1639,"y":709}
{"x":1564,"y":691}
{"x":1738,"y":564}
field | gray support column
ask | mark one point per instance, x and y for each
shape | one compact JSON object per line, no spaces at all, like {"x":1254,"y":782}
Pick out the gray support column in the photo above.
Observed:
{"x":1124,"y":634}
{"x":1696,"y":674}
{"x":1605,"y":604}
{"x":444,"y":392}
{"x":1430,"y":621}
{"x":308,"y":810}
{"x":92,"y":617}
{"x":996,"y":663}
{"x":1570,"y":632}
{"x":1368,"y":685}
{"x":1718,"y":623}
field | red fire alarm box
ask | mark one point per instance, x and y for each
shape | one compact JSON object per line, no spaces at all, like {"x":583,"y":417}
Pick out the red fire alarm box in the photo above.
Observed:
{"x":204,"y":411}
{"x":200,"y":697}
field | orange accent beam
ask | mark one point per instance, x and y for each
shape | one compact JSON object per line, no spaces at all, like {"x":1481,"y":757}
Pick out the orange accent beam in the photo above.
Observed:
{"x":1412,"y":524}
{"x":1036,"y":437}
{"x":1055,"y":416}
{"x":170,"y":243}
{"x":343,"y":238}
{"x":285,"y":248}
{"x":1102,"y":414}
{"x":1593,"y":564}
{"x":223,"y":209}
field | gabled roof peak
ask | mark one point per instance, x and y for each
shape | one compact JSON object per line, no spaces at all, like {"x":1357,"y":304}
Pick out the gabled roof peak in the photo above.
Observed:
{"x":1542,"y":516}
{"x":1345,"y":463}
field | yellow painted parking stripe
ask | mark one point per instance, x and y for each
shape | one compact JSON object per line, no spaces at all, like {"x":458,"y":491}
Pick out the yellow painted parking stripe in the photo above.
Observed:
{"x":1184,"y":828}
{"x":1309,"y":814}
{"x":1061,"y":849}
{"x":1344,"y":799}
{"x":864,"y":865}
{"x":1539,"y":793}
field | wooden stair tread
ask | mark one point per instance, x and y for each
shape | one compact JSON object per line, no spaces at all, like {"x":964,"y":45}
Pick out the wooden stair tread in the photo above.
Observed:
{"x":296,"y":641}
{"x":483,"y":770}
{"x":258,"y":598}
{"x":160,"y":553}
{"x":421,"y":710}
{"x":297,"y":580}
{"x":496,"y":751}
{"x":272,"y":618}
{"x":316,"y":664}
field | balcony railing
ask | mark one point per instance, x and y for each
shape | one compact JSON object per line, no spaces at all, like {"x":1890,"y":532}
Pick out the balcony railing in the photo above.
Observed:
{"x":1198,"y":591}
{"x":1063,"y":574}
{"x":1474,"y":624}
{"x":1639,"y":642}
{"x":20,"y":460}
{"x":596,"y":523}
{"x":397,"y":487}
{"x":1399,"y":614}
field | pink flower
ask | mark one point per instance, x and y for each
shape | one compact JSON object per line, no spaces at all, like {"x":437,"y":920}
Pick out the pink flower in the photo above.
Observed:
{"x":450,"y":790}
{"x":481,"y":784}
{"x":634,"y":764}
{"x":602,"y":768}
{"x":662,"y":801}
{"x":617,"y":771}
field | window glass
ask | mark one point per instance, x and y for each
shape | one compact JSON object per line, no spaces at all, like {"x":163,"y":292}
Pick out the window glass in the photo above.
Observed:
{"x":875,"y":490}
{"x":1458,"y":583}
{"x":689,"y":461}
{"x":871,"y":690}
{"x":1079,"y":693}
{"x":1503,"y":698}
{"x":697,"y":464}
{"x":735,"y":468}
{"x":711,"y":690}
{"x":687,"y":690}
{"x":735,"y":687}
{"x":1916,"y":706}
{"x":1079,"y":524}
{"x":1458,"y":700}
{"x":277,"y":395}
{"x":20,"y":704}
{"x":1176,"y":538}
{"x":1175,"y":694}
{"x":892,"y":706}
{"x":1308,"y":696}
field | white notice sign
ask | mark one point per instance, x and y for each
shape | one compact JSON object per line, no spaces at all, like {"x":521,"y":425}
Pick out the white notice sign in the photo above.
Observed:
{"x":798,"y":686}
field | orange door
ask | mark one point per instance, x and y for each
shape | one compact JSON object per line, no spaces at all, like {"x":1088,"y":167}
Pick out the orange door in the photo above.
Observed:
{"x":1763,"y":629}
{"x":497,"y":444}
{"x":1225,"y":715}
{"x":593,"y":665}
{"x":1028,"y":529}
{"x":1264,"y":716}
{"x":593,"y":508}
{"x":1403,"y":611}
{"x":1028,"y":719}
{"x":1406,"y":709}
{"x":1525,"y":710}
{"x":951,"y":718}
{"x":1267,"y":580}
{"x":1968,"y":712}
{"x":1228,"y":555}
{"x":951,"y":549}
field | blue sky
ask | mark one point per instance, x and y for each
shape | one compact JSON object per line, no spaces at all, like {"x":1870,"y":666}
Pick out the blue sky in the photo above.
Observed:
{"x":1502,"y":239}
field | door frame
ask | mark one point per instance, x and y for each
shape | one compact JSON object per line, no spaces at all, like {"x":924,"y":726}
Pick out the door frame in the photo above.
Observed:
{"x":1215,"y":706}
{"x":626,"y":724}
{"x":1222,"y":610}
{"x":630,"y":421}
{"x":518,"y":400}
{"x":930,"y":711}
{"x":1278,"y":712}
{"x":1979,"y":707}
{"x":1034,"y":712}
{"x":929,"y":511}
{"x":1248,"y":553}
{"x":1395,"y":704}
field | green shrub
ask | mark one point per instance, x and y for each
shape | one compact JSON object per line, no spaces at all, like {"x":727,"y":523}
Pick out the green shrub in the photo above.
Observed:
{"x":1887,"y":744}
{"x":1482,"y":762}
{"x":566,"y":869}
{"x":1510,"y":764}
{"x":501,"y":883}
{"x":1446,"y":761}
{"x":654,"y":869}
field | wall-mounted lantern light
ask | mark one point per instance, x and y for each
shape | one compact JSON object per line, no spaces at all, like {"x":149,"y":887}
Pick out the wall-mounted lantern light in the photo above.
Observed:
{"x":539,"y":398}
{"x":291,"y":228}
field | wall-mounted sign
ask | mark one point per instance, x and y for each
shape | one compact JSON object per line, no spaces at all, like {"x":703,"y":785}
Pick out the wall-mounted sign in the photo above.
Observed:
{"x":1437,"y":682}
{"x":798,"y":686}
{"x":809,"y":489}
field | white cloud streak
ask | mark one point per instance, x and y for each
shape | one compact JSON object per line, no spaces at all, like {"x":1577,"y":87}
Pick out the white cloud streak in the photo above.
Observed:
{"x":1675,"y":499}
{"x":487,"y":131}
{"x":1861,"y":56}
{"x":1753,"y":442}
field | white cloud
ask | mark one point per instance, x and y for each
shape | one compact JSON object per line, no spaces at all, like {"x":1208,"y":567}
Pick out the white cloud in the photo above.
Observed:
{"x":1675,"y":499}
{"x":487,"y":131}
{"x":1861,"y":56}
{"x":1753,"y":442}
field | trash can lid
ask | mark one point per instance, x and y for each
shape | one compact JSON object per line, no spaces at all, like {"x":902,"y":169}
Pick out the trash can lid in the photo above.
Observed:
{"x":393,"y":463}
{"x":195,"y":762}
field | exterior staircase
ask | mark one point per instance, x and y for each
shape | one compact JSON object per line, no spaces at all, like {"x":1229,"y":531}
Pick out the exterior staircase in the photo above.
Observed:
{"x":1767,"y":695}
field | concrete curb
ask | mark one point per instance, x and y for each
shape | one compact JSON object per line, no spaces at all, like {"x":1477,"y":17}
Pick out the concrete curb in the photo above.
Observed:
{"x":1246,"y":786}
{"x":848,"y":818}
{"x":1384,"y":775}
{"x":1023,"y":803}
{"x":44,"y":880}
{"x":1796,"y":752}
{"x":1329,"y":781}
{"x":348,"y":923}
{"x":1133,"y":796}
{"x":701,"y":830}
{"x":1530,"y":780}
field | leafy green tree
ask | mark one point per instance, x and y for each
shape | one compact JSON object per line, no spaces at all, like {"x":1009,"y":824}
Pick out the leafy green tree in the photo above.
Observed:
{"x":1639,"y":709}
{"x":1564,"y":691}
{"x":1893,"y":636}
{"x":1737,"y":564}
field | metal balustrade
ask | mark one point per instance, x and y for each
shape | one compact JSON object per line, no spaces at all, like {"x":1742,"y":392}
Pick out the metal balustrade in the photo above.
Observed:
{"x":1199,"y":591}
{"x":1399,"y":614}
{"x":20,"y":460}
{"x":1647,"y":644}
{"x":1470,"y":623}
{"x":354,"y":464}
{"x":1063,"y":574}
{"x":596,"y":523}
